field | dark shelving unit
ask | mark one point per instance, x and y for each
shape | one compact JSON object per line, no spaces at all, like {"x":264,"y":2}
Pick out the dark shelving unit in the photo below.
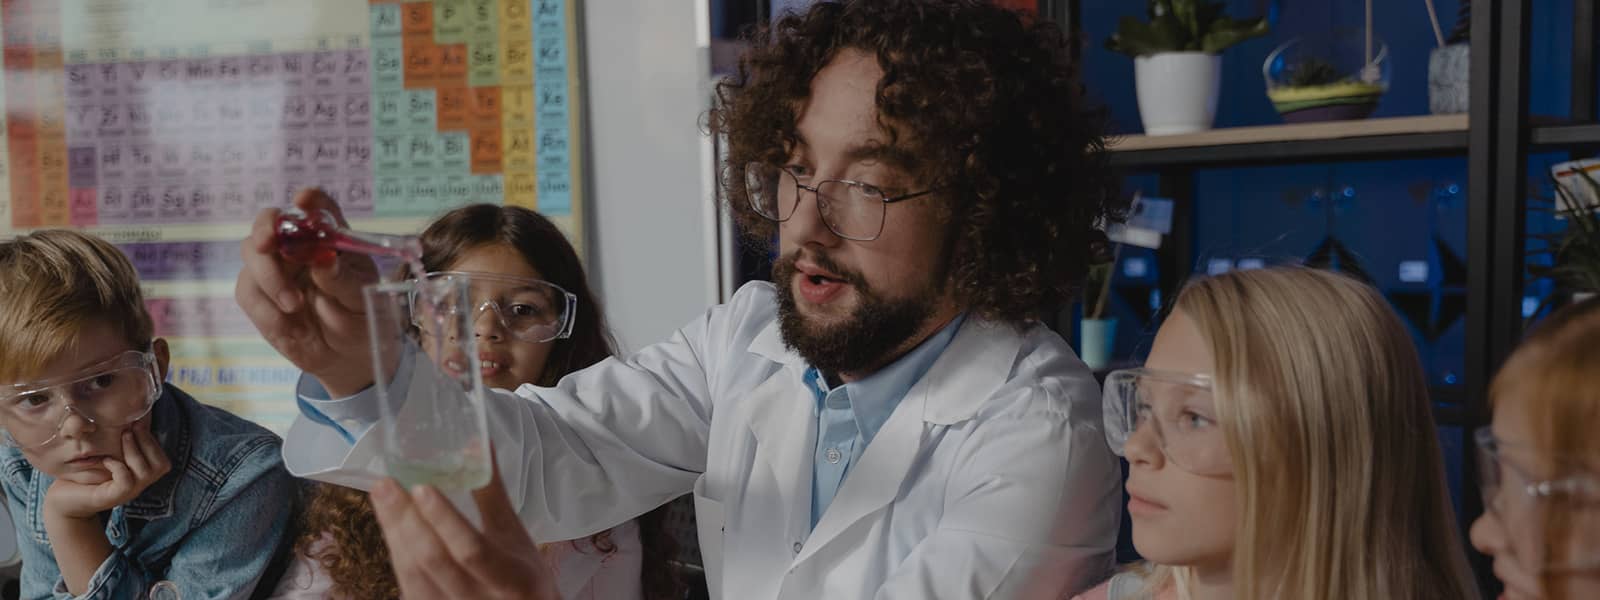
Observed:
{"x":1496,"y":137}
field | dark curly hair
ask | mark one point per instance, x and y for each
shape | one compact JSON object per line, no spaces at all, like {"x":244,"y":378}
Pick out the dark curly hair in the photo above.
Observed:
{"x":357,"y":561}
{"x":975,"y":97}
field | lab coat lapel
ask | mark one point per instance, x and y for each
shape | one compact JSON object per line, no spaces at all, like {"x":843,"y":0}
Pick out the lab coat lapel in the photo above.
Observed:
{"x":975,"y":364}
{"x":782,"y":420}
{"x":875,"y":482}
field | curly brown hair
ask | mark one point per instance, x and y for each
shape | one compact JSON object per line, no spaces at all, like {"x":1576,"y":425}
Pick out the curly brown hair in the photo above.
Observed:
{"x":356,"y":558}
{"x":975,"y":97}
{"x":336,"y":520}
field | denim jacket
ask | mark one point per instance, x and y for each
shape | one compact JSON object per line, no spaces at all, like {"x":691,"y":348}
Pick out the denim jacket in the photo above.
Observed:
{"x":211,"y":527}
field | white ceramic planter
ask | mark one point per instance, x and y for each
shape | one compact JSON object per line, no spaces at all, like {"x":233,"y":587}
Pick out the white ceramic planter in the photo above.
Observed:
{"x":1177,"y":91}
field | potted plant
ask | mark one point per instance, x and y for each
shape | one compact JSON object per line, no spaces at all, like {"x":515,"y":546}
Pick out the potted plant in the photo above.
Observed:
{"x":1097,"y":331}
{"x":1176,"y":63}
{"x":1575,"y":252}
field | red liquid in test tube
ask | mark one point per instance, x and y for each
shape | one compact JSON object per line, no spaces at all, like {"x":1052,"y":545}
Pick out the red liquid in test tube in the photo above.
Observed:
{"x":316,"y":238}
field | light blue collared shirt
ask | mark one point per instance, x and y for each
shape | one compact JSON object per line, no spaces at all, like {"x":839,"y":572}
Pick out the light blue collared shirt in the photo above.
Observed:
{"x":849,"y":416}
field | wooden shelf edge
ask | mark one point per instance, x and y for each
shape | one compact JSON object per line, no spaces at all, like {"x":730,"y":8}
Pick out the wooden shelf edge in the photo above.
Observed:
{"x":1292,"y":133}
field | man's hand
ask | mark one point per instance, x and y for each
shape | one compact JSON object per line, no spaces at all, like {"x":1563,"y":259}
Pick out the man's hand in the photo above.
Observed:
{"x":311,"y":314}
{"x":437,"y":553}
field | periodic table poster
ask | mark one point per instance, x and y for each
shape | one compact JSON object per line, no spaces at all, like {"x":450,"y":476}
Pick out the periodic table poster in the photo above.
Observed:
{"x":166,"y":125}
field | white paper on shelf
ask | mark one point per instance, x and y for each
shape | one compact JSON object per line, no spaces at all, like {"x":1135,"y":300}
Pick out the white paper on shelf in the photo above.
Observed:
{"x":1579,"y":189}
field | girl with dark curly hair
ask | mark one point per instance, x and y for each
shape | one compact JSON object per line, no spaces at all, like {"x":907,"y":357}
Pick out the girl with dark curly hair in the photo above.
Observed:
{"x":519,"y":259}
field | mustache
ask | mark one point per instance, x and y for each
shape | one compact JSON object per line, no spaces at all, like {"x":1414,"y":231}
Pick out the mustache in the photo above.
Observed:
{"x":784,"y":269}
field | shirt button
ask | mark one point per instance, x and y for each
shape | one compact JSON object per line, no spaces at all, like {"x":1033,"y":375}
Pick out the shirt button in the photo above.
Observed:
{"x":833,"y":456}
{"x":350,"y":425}
{"x":164,"y":590}
{"x":797,"y":547}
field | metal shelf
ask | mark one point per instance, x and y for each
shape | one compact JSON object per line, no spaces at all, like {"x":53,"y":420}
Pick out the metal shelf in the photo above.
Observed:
{"x":1561,"y":136}
{"x":1496,"y":148}
{"x":1370,"y":139}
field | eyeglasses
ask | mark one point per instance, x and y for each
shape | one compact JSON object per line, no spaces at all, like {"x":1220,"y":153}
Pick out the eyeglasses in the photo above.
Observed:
{"x":111,"y":393}
{"x":1179,"y":409}
{"x":530,"y":310}
{"x":851,"y":209}
{"x":1528,"y":506}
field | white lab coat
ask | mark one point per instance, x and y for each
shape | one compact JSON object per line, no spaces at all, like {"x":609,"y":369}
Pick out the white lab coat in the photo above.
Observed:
{"x":991,"y":479}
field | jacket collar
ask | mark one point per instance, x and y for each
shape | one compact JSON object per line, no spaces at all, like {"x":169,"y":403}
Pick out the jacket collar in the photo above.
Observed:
{"x":170,"y":423}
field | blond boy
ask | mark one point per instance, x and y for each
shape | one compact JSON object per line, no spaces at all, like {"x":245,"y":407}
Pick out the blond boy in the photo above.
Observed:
{"x":120,"y":485}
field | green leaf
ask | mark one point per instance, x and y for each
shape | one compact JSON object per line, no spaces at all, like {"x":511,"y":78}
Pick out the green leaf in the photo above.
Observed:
{"x":1174,"y":35}
{"x":1155,"y":9}
{"x":1136,"y":38}
{"x":1188,"y":17}
{"x":1182,"y":26}
{"x":1210,"y":12}
{"x":1226,"y":32}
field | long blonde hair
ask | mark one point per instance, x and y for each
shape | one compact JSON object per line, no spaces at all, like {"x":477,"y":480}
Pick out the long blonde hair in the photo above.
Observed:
{"x":1337,"y":468}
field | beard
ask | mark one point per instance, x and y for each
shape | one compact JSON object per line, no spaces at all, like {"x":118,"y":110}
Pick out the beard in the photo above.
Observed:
{"x":876,"y":328}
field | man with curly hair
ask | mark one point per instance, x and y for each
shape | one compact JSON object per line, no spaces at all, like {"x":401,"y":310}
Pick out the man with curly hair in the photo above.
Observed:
{"x":887,"y":418}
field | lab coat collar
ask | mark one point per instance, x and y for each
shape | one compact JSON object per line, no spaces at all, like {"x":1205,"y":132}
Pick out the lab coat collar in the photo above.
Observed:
{"x":769,"y":345}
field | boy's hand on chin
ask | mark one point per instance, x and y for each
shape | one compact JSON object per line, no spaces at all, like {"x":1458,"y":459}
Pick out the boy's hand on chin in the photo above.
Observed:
{"x":143,"y":463}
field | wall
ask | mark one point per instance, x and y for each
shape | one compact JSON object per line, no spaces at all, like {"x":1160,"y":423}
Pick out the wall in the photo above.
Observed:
{"x":651,"y":239}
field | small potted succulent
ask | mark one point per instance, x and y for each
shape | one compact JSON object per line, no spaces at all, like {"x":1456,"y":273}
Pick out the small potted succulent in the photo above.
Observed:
{"x":1327,"y":76}
{"x":1177,"y":63}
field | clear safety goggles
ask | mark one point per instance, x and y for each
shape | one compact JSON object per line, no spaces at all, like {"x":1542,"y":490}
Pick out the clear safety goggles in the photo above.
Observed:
{"x":1528,"y":506}
{"x":111,"y":393}
{"x":530,"y":310}
{"x":1176,"y":408}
